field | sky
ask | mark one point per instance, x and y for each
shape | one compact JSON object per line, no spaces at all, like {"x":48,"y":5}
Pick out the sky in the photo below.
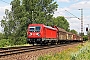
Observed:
{"x":66,"y":8}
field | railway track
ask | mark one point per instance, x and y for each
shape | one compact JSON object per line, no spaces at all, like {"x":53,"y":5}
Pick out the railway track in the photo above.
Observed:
{"x":17,"y":50}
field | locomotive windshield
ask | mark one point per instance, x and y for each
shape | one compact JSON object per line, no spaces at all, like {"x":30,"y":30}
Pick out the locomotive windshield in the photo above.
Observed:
{"x":35,"y":29}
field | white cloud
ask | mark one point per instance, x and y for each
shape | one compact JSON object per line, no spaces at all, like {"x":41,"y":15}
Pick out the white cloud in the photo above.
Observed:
{"x":62,"y":0}
{"x":60,"y":12}
{"x":74,"y":24}
{"x":67,"y":1}
{"x":2,"y":10}
{"x":87,"y":21}
{"x":82,"y":4}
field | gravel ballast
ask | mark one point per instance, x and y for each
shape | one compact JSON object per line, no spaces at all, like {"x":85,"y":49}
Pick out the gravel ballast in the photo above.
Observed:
{"x":34,"y":54}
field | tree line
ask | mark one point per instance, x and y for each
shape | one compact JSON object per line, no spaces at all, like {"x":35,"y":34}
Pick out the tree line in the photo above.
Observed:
{"x":25,"y":12}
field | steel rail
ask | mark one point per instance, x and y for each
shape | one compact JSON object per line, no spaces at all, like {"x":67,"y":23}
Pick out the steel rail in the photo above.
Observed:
{"x":23,"y":49}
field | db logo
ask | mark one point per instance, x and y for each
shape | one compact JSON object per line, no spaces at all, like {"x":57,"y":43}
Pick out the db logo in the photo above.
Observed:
{"x":33,"y":33}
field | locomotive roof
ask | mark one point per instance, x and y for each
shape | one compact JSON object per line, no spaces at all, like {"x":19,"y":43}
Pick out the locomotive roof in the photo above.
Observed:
{"x":37,"y":24}
{"x":43,"y":26}
{"x":50,"y":27}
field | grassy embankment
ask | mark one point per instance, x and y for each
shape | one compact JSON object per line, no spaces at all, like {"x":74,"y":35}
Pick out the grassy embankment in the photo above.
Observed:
{"x":80,"y":52}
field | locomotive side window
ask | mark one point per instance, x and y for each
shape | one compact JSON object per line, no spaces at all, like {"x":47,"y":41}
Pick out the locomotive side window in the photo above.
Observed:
{"x":35,"y":29}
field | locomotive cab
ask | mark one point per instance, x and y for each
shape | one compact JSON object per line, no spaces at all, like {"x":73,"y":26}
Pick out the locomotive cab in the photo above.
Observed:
{"x":34,"y":34}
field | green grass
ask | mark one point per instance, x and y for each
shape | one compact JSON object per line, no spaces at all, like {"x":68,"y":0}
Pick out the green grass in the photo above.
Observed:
{"x":80,"y":52}
{"x":83,"y":53}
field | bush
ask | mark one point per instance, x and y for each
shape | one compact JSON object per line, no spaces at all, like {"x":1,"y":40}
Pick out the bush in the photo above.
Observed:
{"x":20,"y":41}
{"x":6,"y":42}
{"x":85,"y":38}
{"x":1,"y":36}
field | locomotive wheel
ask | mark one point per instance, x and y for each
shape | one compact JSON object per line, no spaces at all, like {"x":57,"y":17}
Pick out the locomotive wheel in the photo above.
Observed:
{"x":46,"y":42}
{"x":41,"y":43}
{"x":53,"y":42}
{"x":33,"y":44}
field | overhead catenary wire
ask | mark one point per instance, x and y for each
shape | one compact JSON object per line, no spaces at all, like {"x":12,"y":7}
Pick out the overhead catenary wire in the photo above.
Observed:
{"x":72,"y":14}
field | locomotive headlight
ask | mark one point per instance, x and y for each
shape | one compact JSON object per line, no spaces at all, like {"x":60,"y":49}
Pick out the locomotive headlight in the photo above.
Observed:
{"x":30,"y":34}
{"x":38,"y":34}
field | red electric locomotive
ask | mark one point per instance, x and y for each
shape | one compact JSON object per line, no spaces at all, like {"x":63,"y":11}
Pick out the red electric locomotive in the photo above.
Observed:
{"x":41,"y":34}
